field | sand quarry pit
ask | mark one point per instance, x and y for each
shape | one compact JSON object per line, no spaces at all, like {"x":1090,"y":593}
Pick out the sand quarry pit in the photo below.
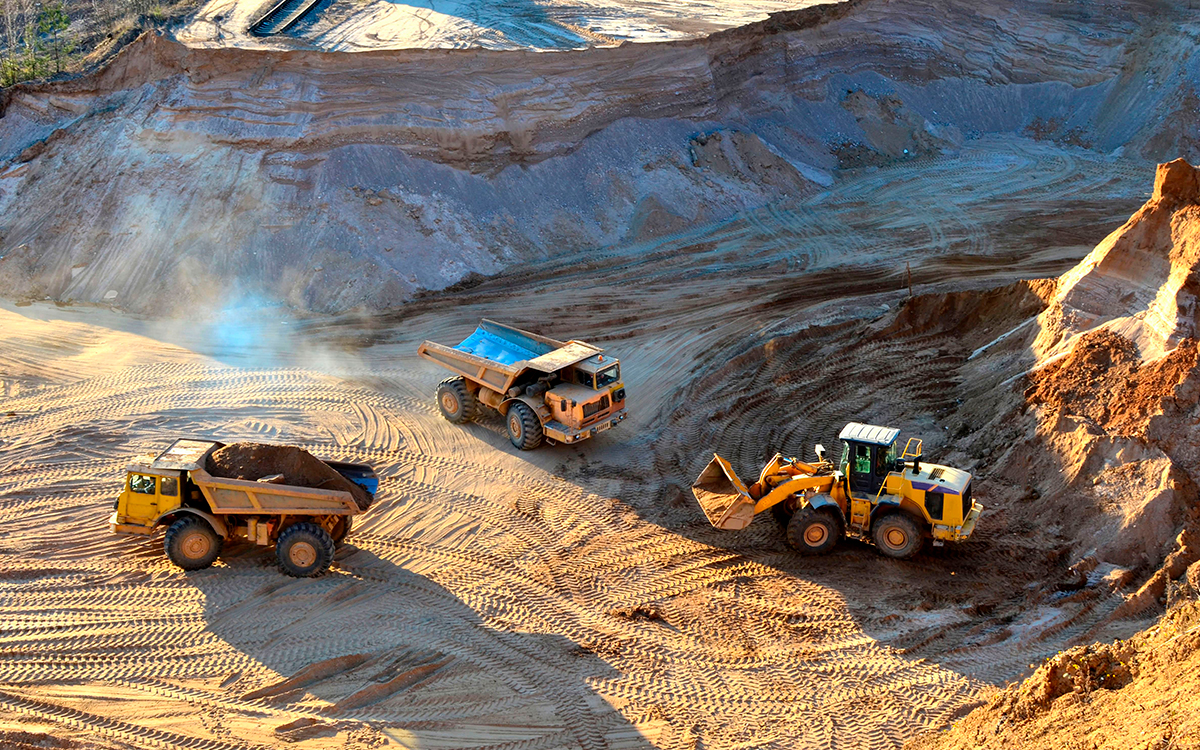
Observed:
{"x":755,"y":244}
{"x":576,"y":597}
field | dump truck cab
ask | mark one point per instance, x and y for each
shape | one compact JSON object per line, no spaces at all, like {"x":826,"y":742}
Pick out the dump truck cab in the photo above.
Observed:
{"x":587,"y":394}
{"x":157,"y":488}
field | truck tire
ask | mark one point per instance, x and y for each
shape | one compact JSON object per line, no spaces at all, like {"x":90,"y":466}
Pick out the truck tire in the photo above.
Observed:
{"x":191,"y":543}
{"x":340,"y":529}
{"x":304,"y":550}
{"x":896,"y":535}
{"x":813,"y":532}
{"x":456,"y":401}
{"x":524,"y":429}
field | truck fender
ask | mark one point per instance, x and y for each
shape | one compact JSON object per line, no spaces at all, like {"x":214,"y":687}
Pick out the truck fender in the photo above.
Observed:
{"x":217,"y":524}
{"x":532,"y":403}
{"x":907,"y":507}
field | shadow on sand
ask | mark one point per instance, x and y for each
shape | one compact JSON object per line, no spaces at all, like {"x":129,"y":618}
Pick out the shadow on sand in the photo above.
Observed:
{"x":371,"y":643}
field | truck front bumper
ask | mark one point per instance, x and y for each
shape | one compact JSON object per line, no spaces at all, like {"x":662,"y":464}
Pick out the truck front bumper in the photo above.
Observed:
{"x":563,"y":434}
{"x":117,"y":525}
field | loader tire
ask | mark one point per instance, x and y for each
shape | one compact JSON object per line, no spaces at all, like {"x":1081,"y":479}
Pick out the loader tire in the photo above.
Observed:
{"x":524,"y":429}
{"x":897,"y":536}
{"x":341,"y":528}
{"x":191,"y":543}
{"x":456,"y":401}
{"x":782,"y":514}
{"x":813,"y":532}
{"x":304,"y":550}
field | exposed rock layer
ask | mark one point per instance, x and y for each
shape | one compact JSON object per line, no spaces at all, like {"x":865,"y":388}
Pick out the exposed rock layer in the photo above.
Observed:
{"x":177,"y":178}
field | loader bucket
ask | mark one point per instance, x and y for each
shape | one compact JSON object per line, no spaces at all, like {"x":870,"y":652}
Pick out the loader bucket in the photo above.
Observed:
{"x":722,"y":496}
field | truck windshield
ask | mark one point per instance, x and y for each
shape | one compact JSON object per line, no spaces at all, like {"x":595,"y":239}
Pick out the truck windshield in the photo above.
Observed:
{"x":608,"y":376}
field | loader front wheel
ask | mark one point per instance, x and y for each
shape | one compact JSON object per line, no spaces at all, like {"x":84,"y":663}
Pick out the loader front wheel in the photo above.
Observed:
{"x":812,"y":532}
{"x":896,"y":535}
{"x":304,"y":550}
{"x":456,"y":401}
{"x":524,"y":429}
{"x":782,"y":514}
{"x":191,"y":543}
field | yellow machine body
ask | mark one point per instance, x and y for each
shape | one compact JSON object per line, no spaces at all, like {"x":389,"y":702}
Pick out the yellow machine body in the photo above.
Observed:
{"x":870,"y":477}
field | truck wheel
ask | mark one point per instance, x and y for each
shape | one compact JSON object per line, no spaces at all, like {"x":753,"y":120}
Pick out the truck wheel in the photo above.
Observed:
{"x":341,"y":528}
{"x":524,"y":429}
{"x":304,"y":550}
{"x":896,"y":535}
{"x":191,"y":543}
{"x":456,"y":401}
{"x":812,"y":532}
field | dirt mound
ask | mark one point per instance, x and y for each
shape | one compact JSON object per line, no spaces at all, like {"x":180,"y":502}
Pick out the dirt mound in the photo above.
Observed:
{"x":252,"y":461}
{"x":1141,"y":693}
{"x":1142,"y":281}
{"x":1103,"y":378}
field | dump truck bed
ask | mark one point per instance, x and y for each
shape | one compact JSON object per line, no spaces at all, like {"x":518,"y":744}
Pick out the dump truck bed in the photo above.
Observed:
{"x":494,"y":355}
{"x":227,"y":496}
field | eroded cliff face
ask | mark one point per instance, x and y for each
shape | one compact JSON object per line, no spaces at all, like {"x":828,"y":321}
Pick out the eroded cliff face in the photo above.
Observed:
{"x":327,"y":181}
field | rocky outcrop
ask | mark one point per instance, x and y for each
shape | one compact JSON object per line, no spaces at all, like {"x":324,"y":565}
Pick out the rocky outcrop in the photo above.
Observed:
{"x":176,"y":178}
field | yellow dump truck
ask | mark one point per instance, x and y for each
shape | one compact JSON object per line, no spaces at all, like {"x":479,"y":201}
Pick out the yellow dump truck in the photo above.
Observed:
{"x":545,"y":389}
{"x":875,"y":492}
{"x":203,"y":512}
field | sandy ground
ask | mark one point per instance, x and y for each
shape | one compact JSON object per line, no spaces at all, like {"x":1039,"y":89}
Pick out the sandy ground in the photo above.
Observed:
{"x":567,"y":597}
{"x":456,"y":24}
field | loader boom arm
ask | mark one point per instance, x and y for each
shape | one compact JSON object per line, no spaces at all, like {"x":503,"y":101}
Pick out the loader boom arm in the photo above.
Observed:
{"x":799,"y":484}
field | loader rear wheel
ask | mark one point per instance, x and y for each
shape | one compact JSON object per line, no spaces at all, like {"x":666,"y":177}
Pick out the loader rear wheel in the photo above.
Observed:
{"x":812,"y":532}
{"x":304,"y":550}
{"x":896,"y":535}
{"x":456,"y":401}
{"x":524,"y":429}
{"x":191,"y":543}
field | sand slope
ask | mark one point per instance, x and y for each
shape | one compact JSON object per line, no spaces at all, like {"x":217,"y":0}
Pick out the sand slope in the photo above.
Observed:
{"x":179,"y":176}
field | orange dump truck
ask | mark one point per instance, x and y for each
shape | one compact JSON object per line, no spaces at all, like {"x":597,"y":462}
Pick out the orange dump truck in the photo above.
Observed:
{"x":545,"y":389}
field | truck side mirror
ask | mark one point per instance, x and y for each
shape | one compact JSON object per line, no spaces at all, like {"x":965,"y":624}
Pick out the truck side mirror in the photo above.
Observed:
{"x":820,"y":452}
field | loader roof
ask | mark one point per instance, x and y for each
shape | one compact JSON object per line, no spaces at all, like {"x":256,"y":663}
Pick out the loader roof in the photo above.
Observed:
{"x":869,"y":433}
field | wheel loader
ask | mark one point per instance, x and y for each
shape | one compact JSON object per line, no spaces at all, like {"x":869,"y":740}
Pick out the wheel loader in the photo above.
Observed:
{"x":875,"y":492}
{"x":203,"y":512}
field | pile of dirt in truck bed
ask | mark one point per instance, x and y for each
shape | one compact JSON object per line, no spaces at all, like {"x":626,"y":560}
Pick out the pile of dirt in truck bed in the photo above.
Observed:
{"x":1141,"y":693}
{"x":252,"y":461}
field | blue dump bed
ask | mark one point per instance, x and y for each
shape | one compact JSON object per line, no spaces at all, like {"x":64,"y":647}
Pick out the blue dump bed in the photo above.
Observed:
{"x":502,"y":346}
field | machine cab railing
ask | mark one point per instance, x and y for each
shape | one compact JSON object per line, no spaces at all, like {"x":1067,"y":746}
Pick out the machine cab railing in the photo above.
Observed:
{"x":892,"y":486}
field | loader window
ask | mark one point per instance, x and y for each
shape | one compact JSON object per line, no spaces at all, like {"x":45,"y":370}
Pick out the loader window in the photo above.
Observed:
{"x":608,"y":376}
{"x":169,"y":486}
{"x":862,"y":459}
{"x":886,"y":460}
{"x":844,"y":464}
{"x":141,"y":484}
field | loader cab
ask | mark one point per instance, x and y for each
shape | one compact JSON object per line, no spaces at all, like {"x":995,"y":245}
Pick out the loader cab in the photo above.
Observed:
{"x":868,"y":455}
